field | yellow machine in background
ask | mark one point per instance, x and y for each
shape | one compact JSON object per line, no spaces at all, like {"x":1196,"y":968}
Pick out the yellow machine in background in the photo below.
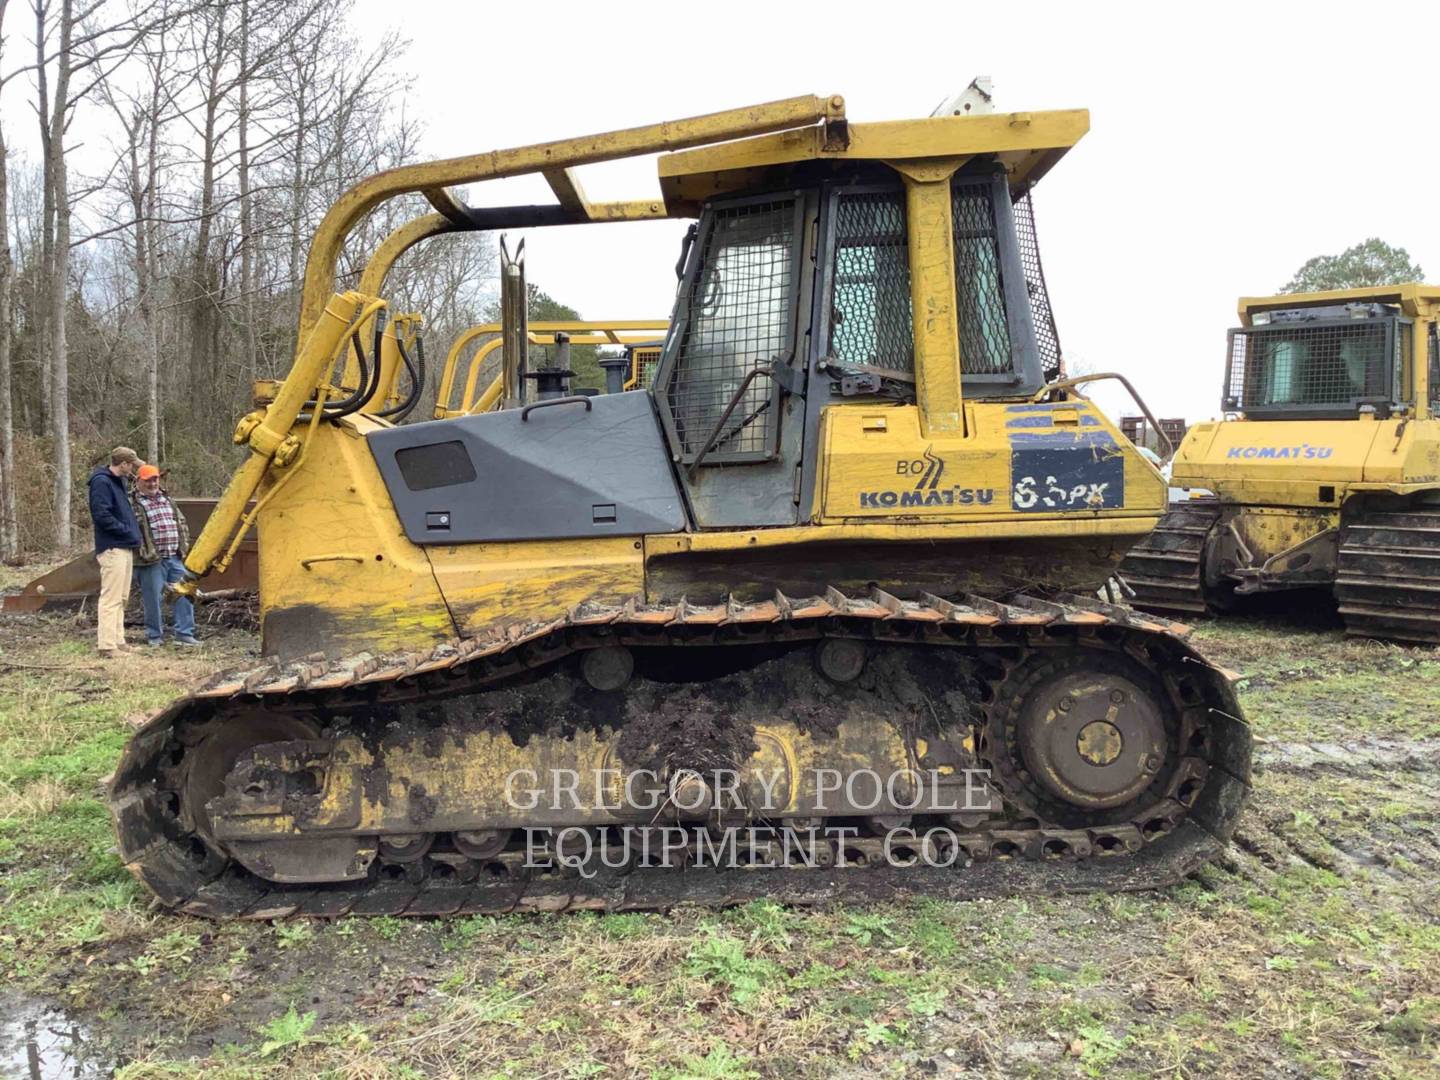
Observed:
{"x":1328,"y":474}
{"x":644,"y":360}
{"x":627,"y":332}
{"x":837,"y":534}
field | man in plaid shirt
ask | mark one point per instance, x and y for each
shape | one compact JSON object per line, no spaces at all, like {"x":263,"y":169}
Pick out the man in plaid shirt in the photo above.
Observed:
{"x":165,"y":541}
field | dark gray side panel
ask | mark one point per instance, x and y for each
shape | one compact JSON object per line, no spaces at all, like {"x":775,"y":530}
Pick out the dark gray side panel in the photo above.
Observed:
{"x":564,"y":471}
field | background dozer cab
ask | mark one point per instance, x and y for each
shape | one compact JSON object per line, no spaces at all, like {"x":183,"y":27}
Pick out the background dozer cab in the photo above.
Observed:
{"x":832,"y":537}
{"x":1325,"y":472}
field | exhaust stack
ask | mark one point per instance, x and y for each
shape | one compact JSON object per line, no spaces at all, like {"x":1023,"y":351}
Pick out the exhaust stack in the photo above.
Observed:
{"x":515,"y":326}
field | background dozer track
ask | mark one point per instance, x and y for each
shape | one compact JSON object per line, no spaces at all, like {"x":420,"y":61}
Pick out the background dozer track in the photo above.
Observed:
{"x":968,"y":672}
{"x":1165,"y":571}
{"x":1387,"y":580}
{"x":1388,"y":575}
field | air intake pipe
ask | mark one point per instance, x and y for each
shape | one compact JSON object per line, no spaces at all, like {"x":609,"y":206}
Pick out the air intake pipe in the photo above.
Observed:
{"x":617,"y":368}
{"x":553,"y":380}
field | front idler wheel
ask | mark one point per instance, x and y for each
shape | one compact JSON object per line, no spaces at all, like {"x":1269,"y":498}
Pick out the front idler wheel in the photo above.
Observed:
{"x":211,"y":760}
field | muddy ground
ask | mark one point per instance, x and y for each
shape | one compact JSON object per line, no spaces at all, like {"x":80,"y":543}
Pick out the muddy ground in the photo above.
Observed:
{"x":1312,"y":949}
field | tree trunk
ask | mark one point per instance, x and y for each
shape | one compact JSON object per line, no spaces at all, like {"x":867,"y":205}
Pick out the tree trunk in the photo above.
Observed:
{"x":59,"y":279}
{"x":47,"y":215}
{"x":150,"y":270}
{"x":144,"y":279}
{"x":247,"y":275}
{"x":204,"y":280}
{"x":144,"y":187}
{"x":297,"y":189}
{"x":9,"y":523}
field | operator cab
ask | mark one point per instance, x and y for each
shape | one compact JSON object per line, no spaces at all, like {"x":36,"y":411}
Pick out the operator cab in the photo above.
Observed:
{"x":1327,"y":361}
{"x":802,"y":297}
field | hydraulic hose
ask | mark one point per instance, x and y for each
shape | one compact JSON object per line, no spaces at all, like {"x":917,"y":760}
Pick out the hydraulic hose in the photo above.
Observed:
{"x":416,"y":370}
{"x":369,"y":374}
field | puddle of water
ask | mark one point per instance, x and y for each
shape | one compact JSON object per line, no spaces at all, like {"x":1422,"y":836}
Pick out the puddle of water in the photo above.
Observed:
{"x":40,"y":1042}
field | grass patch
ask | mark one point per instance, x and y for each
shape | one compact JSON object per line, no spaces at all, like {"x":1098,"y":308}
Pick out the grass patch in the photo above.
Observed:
{"x":722,"y":960}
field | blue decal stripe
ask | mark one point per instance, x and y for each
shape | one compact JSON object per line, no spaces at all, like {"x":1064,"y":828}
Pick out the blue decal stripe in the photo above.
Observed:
{"x":1045,"y":422}
{"x":1064,"y":440}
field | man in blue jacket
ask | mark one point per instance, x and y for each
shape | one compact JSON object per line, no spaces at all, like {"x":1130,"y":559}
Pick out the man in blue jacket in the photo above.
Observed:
{"x":117,"y":535}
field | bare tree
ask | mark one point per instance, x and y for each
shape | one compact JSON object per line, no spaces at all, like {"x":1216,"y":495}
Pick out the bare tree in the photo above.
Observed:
{"x":59,"y":191}
{"x":142,"y":112}
{"x":247,"y":225}
{"x":9,"y":523}
{"x":47,"y":221}
{"x":214,"y":44}
{"x":140,"y":120}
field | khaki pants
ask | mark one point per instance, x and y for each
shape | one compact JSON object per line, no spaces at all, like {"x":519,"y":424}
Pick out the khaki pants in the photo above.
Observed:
{"x":116,"y":565}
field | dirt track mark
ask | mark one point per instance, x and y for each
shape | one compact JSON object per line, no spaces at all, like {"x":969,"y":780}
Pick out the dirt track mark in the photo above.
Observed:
{"x":1367,"y":752}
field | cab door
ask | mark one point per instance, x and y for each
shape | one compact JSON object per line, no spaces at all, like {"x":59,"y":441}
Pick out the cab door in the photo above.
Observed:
{"x":730,"y":386}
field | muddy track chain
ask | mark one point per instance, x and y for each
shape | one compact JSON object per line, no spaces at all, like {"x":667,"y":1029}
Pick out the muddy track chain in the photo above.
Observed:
{"x":1165,"y":571}
{"x":1388,"y":575}
{"x":1189,"y":820}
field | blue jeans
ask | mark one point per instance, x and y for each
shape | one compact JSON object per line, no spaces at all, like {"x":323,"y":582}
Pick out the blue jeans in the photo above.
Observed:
{"x":153,"y":579}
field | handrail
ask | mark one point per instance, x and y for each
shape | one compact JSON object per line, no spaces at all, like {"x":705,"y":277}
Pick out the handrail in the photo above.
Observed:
{"x":729,"y":408}
{"x":372,"y":278}
{"x":579,"y":399}
{"x":1075,"y":380}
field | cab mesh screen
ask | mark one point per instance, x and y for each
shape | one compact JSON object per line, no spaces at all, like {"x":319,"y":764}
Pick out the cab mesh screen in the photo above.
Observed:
{"x":870,"y":320}
{"x":739,"y":318}
{"x":1328,"y":364}
{"x":1433,"y":351}
{"x":1047,"y":339}
{"x":980,"y":300}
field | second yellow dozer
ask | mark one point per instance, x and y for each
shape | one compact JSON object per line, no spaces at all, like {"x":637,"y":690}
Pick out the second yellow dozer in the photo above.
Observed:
{"x":811,"y":617}
{"x":1325,"y":475}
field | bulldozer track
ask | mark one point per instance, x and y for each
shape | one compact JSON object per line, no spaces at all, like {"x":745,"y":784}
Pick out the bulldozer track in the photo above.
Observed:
{"x":1165,"y":571}
{"x":1185,"y":823}
{"x":1388,"y":579}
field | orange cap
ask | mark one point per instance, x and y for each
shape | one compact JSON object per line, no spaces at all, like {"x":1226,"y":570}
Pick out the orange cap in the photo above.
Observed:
{"x":148,"y":472}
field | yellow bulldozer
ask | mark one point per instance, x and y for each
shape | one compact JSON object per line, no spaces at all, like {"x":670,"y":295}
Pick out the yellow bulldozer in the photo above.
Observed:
{"x":1325,"y":474}
{"x":813,"y":615}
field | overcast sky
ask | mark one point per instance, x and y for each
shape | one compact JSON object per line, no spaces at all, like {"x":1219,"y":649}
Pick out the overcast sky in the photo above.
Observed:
{"x":1228,"y":144}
